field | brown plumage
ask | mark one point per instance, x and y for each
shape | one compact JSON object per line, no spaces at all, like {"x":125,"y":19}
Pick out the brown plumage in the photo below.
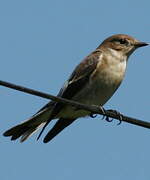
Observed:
{"x":93,"y":81}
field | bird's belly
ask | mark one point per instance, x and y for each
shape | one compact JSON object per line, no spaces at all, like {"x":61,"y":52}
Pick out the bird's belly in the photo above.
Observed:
{"x":102,"y":84}
{"x":93,"y":94}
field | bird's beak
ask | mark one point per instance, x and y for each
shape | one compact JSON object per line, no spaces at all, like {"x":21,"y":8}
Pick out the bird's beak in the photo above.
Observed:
{"x":140,"y":44}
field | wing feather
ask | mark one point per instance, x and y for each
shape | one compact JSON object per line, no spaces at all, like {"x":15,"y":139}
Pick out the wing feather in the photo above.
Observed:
{"x":75,"y":83}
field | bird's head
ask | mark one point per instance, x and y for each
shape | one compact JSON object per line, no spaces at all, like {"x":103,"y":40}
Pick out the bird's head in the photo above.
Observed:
{"x":121,"y":43}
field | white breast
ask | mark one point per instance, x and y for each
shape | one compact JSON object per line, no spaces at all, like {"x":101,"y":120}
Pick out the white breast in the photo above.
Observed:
{"x":110,"y":69}
{"x":103,"y":83}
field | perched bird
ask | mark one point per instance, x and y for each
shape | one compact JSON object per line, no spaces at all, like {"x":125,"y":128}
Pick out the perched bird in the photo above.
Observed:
{"x":93,"y":82}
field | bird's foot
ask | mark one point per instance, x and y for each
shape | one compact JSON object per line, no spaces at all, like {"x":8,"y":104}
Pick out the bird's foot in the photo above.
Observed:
{"x":104,"y":115}
{"x":117,"y":113}
{"x":94,"y":115}
{"x":108,"y":119}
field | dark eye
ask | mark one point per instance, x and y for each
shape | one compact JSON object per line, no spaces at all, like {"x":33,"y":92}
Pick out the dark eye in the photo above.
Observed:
{"x":120,"y":41}
{"x":123,"y":41}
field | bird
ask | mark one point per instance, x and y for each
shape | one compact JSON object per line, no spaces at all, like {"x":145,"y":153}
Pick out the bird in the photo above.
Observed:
{"x":93,"y":82}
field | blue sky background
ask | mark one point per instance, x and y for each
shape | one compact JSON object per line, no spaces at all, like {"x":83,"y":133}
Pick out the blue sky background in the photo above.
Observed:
{"x":40,"y":44}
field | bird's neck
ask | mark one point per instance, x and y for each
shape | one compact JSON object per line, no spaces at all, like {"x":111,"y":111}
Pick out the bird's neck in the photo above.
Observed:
{"x":114,"y":64}
{"x":115,"y":55}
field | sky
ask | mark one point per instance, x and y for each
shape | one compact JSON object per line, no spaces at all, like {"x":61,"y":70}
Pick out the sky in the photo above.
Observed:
{"x":40,"y":44}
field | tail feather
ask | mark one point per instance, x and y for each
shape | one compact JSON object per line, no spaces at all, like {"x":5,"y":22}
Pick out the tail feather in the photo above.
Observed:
{"x":57,"y":128}
{"x":30,"y":132}
{"x":27,"y":128}
{"x":16,"y":131}
{"x":27,"y":134}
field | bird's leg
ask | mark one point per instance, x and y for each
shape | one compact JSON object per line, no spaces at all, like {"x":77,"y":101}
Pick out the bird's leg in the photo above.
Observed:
{"x":117,"y":113}
{"x":104,"y":115}
{"x":103,"y":111}
{"x":108,"y":119}
{"x":94,"y":115}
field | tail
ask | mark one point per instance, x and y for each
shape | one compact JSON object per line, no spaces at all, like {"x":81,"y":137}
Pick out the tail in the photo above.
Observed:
{"x":27,"y":128}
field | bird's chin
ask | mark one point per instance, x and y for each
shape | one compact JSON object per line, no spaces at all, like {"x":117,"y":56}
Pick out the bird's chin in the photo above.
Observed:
{"x":130,"y":52}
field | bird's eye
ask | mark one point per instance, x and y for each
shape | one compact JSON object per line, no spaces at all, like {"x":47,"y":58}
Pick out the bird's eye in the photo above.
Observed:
{"x":123,"y":41}
{"x":120,"y":41}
